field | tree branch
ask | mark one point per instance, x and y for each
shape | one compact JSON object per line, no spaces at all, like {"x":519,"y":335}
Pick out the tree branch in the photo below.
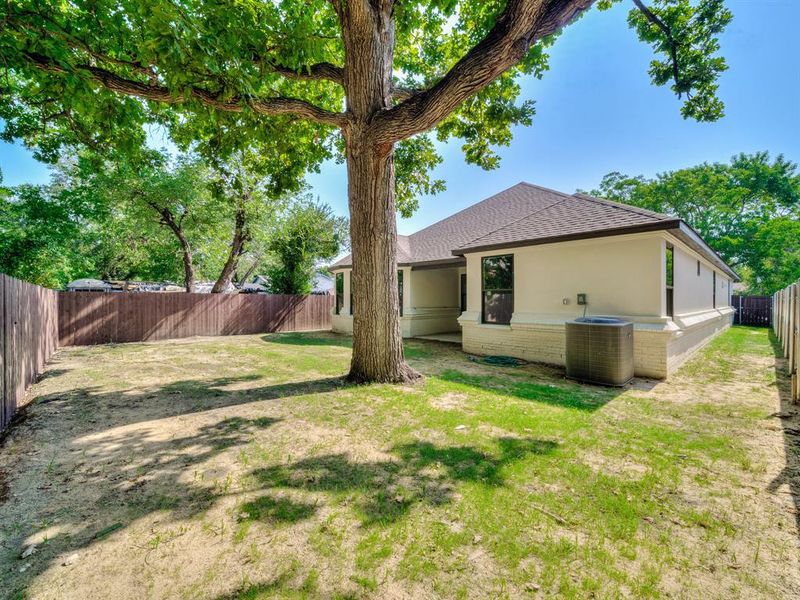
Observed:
{"x":401,"y":93}
{"x":155,"y":93}
{"x":321,"y":71}
{"x":673,"y":46}
{"x":521,"y":24}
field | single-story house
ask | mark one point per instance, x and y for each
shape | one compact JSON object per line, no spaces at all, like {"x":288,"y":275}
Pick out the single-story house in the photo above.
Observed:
{"x":509,"y":271}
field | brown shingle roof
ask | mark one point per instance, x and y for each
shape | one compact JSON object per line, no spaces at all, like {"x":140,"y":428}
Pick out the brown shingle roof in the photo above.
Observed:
{"x":568,"y":218}
{"x":527,"y":214}
{"x":436,"y":242}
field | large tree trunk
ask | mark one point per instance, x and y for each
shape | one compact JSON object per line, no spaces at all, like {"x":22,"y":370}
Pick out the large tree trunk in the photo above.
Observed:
{"x":377,"y":339}
{"x":237,"y":247}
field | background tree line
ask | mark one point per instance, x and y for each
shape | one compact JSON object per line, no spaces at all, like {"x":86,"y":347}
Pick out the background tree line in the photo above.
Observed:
{"x":748,"y":210}
{"x":150,"y":216}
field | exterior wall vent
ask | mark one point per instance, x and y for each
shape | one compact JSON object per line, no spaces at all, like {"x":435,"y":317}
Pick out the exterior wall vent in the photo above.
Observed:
{"x":599,"y":350}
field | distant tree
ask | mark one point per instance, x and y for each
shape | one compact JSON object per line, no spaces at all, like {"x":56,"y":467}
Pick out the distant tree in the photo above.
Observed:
{"x":748,"y":210}
{"x":147,"y":191}
{"x":307,"y":234}
{"x":142,"y":215}
{"x":39,"y":238}
{"x":248,"y":188}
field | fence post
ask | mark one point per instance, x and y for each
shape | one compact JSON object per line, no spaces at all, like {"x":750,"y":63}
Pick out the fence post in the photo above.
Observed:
{"x":794,"y":361}
{"x":3,"y":394}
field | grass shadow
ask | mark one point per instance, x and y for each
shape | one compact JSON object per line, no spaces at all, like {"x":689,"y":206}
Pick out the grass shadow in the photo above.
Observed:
{"x":309,"y":339}
{"x":115,"y":457}
{"x":569,"y":395}
{"x":789,"y":416}
{"x":419,"y":472}
{"x":413,"y":349}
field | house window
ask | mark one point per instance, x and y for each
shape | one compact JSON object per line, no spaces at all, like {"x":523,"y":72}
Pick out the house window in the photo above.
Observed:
{"x":670,"y":273}
{"x":339,"y":292}
{"x":498,"y":289}
{"x":351,"y":292}
{"x":400,"y":289}
{"x":714,"y":285}
{"x":463,"y":292}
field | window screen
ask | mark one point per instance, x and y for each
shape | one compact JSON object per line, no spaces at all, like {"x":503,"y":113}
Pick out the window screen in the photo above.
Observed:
{"x":498,"y":289}
{"x":400,"y":289}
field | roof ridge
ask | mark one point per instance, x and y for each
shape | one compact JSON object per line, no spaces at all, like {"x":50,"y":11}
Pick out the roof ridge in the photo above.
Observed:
{"x":530,"y":214}
{"x":546,"y":189}
{"x":470,"y":207}
{"x":622,"y":206}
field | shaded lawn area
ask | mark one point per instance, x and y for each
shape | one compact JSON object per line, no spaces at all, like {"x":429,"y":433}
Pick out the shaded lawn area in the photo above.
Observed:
{"x":244,"y":467}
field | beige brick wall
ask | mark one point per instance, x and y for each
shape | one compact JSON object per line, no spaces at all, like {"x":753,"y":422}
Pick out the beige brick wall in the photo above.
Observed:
{"x":422,"y":322}
{"x":657,"y":352}
{"x":546,"y":344}
{"x":342,"y":324}
{"x":425,"y":321}
{"x":693,"y":337}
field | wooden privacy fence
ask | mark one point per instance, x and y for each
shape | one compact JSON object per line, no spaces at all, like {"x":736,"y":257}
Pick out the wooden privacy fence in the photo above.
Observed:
{"x":86,"y":318}
{"x":34,"y":321}
{"x":752,"y":310}
{"x":787,"y":328}
{"x":28,"y":337}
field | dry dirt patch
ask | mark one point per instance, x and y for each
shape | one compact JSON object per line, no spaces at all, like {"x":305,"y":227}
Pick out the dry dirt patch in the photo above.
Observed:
{"x":216,"y":468}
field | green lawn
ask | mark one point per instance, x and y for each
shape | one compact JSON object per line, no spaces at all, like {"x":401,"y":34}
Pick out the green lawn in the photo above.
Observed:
{"x":244,"y":467}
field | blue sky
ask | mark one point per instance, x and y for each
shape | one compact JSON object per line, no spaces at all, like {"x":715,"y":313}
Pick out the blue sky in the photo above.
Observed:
{"x":597,"y":112}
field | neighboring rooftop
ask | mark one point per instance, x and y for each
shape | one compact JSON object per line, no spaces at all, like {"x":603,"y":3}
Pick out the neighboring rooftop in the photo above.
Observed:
{"x":527,"y":214}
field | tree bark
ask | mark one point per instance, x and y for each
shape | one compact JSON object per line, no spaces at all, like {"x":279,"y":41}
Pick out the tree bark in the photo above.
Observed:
{"x":237,"y":247}
{"x":377,"y":340}
{"x":188,"y":263}
{"x":186,"y":249}
{"x":251,"y":269}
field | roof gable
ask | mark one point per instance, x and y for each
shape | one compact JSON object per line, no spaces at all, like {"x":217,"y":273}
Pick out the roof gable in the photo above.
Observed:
{"x":571,"y":217}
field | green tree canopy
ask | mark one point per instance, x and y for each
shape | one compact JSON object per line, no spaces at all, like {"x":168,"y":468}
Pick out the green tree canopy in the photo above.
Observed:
{"x":748,"y":210}
{"x":307,"y":234}
{"x":118,"y":220}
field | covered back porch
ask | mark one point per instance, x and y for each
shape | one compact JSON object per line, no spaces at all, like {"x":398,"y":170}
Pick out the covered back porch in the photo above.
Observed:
{"x":432,"y":298}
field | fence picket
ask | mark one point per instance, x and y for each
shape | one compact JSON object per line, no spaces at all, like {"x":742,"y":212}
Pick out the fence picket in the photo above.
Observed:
{"x":28,"y":337}
{"x":87,"y":318}
{"x":786,"y":325}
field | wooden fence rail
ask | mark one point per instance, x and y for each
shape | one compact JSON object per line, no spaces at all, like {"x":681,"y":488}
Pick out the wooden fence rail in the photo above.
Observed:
{"x":28,"y":337}
{"x":786,"y":324}
{"x":86,"y":318}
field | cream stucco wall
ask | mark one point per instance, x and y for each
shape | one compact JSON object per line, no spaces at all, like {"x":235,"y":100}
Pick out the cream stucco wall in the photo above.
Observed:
{"x":622,"y":276}
{"x":694,"y":292}
{"x":434,"y":288}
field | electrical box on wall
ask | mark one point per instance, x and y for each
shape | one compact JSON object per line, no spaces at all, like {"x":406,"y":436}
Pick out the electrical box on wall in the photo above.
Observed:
{"x":582,"y":299}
